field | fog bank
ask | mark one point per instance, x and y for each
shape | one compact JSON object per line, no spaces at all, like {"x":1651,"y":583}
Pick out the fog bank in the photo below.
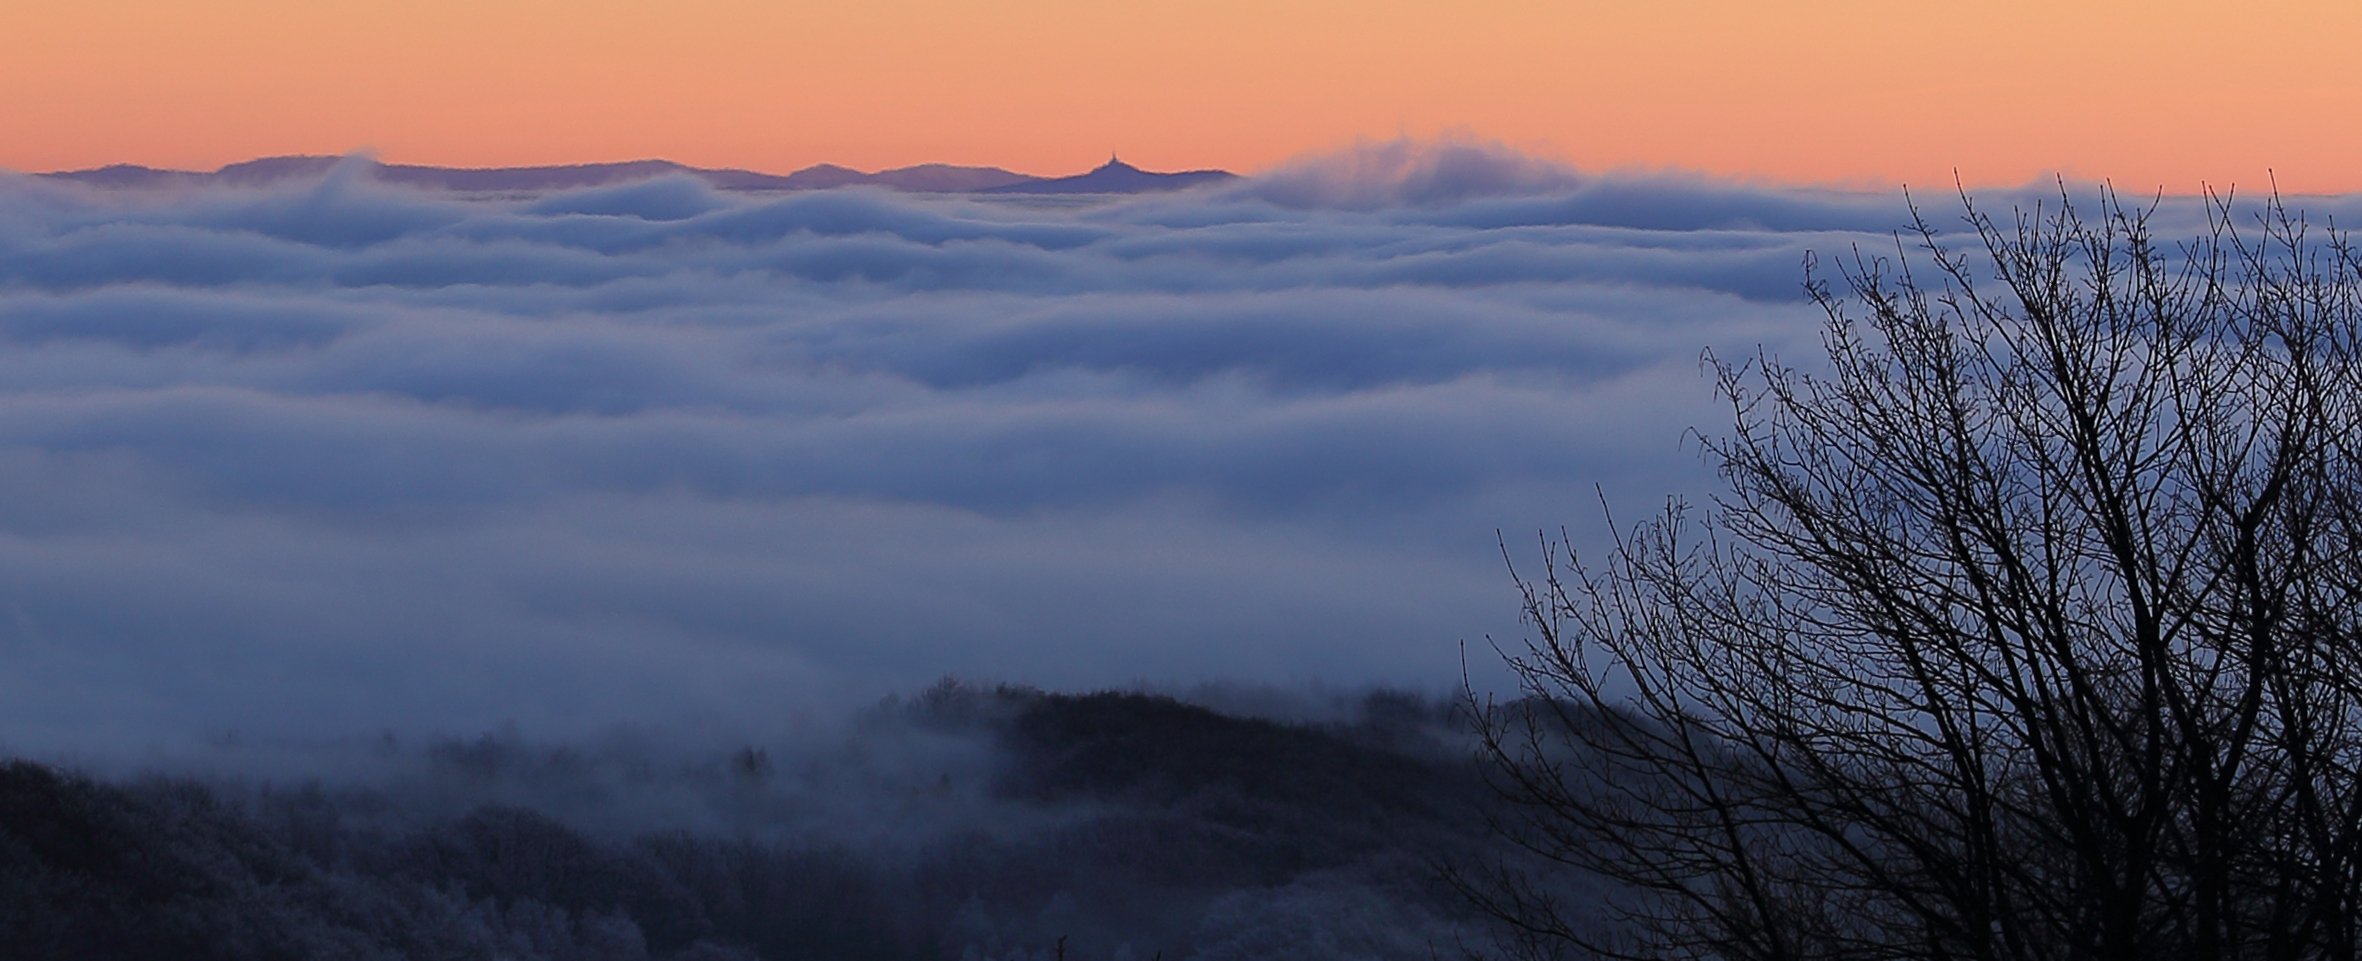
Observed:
{"x":335,"y":458}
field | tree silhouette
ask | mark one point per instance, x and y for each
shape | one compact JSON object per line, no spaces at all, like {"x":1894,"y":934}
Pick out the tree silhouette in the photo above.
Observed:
{"x":2026,"y":629}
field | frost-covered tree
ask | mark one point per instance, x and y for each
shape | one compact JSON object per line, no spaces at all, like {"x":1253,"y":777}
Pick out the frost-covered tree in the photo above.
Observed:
{"x":2029,"y":627}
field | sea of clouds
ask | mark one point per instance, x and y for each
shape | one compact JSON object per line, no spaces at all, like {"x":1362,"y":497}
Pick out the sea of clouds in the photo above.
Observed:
{"x":333,"y":458}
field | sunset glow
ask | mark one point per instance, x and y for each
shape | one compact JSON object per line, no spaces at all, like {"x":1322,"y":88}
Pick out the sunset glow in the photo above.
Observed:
{"x":2155,"y":93}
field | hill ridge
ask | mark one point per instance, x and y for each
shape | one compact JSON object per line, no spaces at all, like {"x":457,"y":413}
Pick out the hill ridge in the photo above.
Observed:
{"x":1115,"y":176}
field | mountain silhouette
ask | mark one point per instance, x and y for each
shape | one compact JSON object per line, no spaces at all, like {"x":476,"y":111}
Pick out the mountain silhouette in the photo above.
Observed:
{"x":1116,"y":177}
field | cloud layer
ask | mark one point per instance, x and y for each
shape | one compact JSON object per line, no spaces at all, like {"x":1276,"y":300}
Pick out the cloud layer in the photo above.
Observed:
{"x":337,"y":457}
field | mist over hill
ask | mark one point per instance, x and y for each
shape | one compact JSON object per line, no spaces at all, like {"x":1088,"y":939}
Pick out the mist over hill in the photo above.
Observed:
{"x":964,"y":823}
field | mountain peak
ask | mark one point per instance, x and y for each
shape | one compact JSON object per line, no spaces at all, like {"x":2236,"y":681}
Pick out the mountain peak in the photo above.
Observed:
{"x":1115,"y":177}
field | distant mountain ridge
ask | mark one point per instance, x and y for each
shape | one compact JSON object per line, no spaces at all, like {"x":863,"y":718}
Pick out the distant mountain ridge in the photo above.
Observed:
{"x":1113,"y":177}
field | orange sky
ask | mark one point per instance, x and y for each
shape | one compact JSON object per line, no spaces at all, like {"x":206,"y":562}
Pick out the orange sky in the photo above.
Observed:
{"x":2151,"y":93}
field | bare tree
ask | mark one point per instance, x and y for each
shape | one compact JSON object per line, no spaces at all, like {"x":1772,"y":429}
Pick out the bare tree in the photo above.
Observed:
{"x":2026,"y":629}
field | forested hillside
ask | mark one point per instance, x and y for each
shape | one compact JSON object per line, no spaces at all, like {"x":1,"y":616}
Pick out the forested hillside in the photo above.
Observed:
{"x":961,"y":824}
